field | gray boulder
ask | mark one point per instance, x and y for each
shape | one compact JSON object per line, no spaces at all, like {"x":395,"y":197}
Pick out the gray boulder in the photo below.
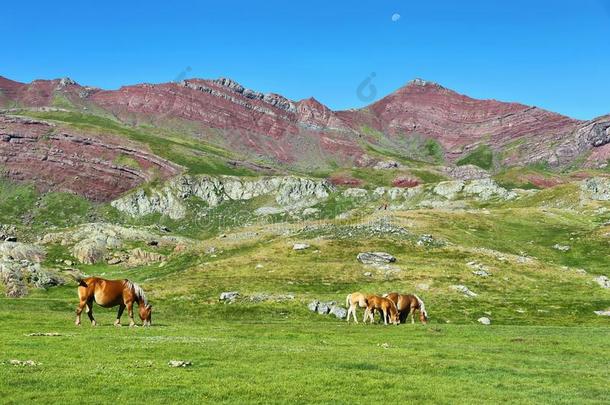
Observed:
{"x":375,"y":258}
{"x":339,"y":312}
{"x":484,"y":320}
{"x":229,"y":296}
{"x":313,"y":306}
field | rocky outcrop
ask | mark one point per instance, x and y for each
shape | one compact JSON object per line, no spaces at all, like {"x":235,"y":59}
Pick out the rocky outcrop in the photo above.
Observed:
{"x":449,"y":189}
{"x":17,"y":274}
{"x":92,"y":243}
{"x":22,"y":251}
{"x":466,"y":172}
{"x":486,"y":189}
{"x":91,"y":251}
{"x":140,"y":257}
{"x":169,"y":199}
{"x":596,"y":188}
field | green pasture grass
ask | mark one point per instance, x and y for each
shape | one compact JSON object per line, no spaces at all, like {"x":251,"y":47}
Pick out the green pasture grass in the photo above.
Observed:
{"x":482,"y":157}
{"x":280,"y":354}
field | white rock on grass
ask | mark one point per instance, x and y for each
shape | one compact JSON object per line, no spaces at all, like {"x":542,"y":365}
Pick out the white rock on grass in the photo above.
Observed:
{"x":464,"y":290}
{"x":300,"y":246}
{"x":229,"y":296}
{"x":179,"y":363}
{"x":602,"y":313}
{"x":603,"y":281}
{"x":484,"y":320}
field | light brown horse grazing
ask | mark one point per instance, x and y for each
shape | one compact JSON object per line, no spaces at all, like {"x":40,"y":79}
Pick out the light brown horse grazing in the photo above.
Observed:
{"x":353,"y":301}
{"x":385,"y":306}
{"x":110,"y":293}
{"x":407,"y":305}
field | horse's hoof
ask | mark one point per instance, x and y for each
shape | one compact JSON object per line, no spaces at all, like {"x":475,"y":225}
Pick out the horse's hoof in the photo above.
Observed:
{"x":93,"y":324}
{"x":117,"y":325}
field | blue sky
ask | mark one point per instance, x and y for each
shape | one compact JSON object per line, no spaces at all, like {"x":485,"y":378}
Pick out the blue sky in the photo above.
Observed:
{"x":554,"y":54}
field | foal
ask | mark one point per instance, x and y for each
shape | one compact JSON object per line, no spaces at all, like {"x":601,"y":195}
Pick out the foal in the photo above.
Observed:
{"x":385,"y":306}
{"x":407,"y":305}
{"x":354,"y":300}
{"x":110,"y":293}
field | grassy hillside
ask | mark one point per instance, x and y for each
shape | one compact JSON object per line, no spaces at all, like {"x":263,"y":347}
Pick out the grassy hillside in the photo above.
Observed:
{"x":543,"y":344}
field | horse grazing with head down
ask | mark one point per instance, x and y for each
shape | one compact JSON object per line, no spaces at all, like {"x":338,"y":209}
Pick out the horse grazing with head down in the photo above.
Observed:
{"x":385,"y":306}
{"x":407,"y":305}
{"x":110,"y":293}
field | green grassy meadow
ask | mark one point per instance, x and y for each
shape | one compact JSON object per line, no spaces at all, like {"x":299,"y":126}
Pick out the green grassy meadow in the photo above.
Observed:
{"x":545,"y":344}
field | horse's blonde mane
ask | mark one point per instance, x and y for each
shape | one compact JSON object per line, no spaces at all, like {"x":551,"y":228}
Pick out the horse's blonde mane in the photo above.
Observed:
{"x":138,"y":291}
{"x":422,"y":306}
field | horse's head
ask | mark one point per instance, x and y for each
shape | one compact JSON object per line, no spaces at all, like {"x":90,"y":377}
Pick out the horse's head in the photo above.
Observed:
{"x":394,"y":314}
{"x":146,"y":314}
{"x":423,"y":316}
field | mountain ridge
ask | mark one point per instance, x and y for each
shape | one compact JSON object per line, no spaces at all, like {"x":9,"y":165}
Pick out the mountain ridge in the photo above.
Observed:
{"x":421,"y":122}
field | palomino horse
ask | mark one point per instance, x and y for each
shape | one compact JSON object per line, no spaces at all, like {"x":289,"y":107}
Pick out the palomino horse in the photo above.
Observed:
{"x":354,"y":300}
{"x":110,"y":293}
{"x":407,"y":305}
{"x":385,"y":306}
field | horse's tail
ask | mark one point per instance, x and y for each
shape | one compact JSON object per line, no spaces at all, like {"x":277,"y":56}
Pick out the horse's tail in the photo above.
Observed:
{"x":422,"y":306}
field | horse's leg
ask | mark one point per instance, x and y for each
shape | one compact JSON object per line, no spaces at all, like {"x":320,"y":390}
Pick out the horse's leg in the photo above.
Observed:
{"x":89,"y":311}
{"x":385,"y":316}
{"x":412,"y":316}
{"x":130,"y":312}
{"x":118,"y":315}
{"x":79,"y":310}
{"x":352,"y":312}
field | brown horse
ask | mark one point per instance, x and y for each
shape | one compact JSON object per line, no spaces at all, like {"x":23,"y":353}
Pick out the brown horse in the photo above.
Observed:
{"x":353,"y":301}
{"x":385,"y":306}
{"x":110,"y":293}
{"x":407,"y":305}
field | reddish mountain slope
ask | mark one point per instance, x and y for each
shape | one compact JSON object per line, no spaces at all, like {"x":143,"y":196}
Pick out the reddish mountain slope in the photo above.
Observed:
{"x":307,"y":134}
{"x":456,"y":120}
{"x":96,"y":166}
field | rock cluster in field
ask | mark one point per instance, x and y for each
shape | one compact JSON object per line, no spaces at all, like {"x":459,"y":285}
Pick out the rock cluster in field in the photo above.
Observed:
{"x":325,"y":308}
{"x":94,"y":242}
{"x":20,"y":266}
